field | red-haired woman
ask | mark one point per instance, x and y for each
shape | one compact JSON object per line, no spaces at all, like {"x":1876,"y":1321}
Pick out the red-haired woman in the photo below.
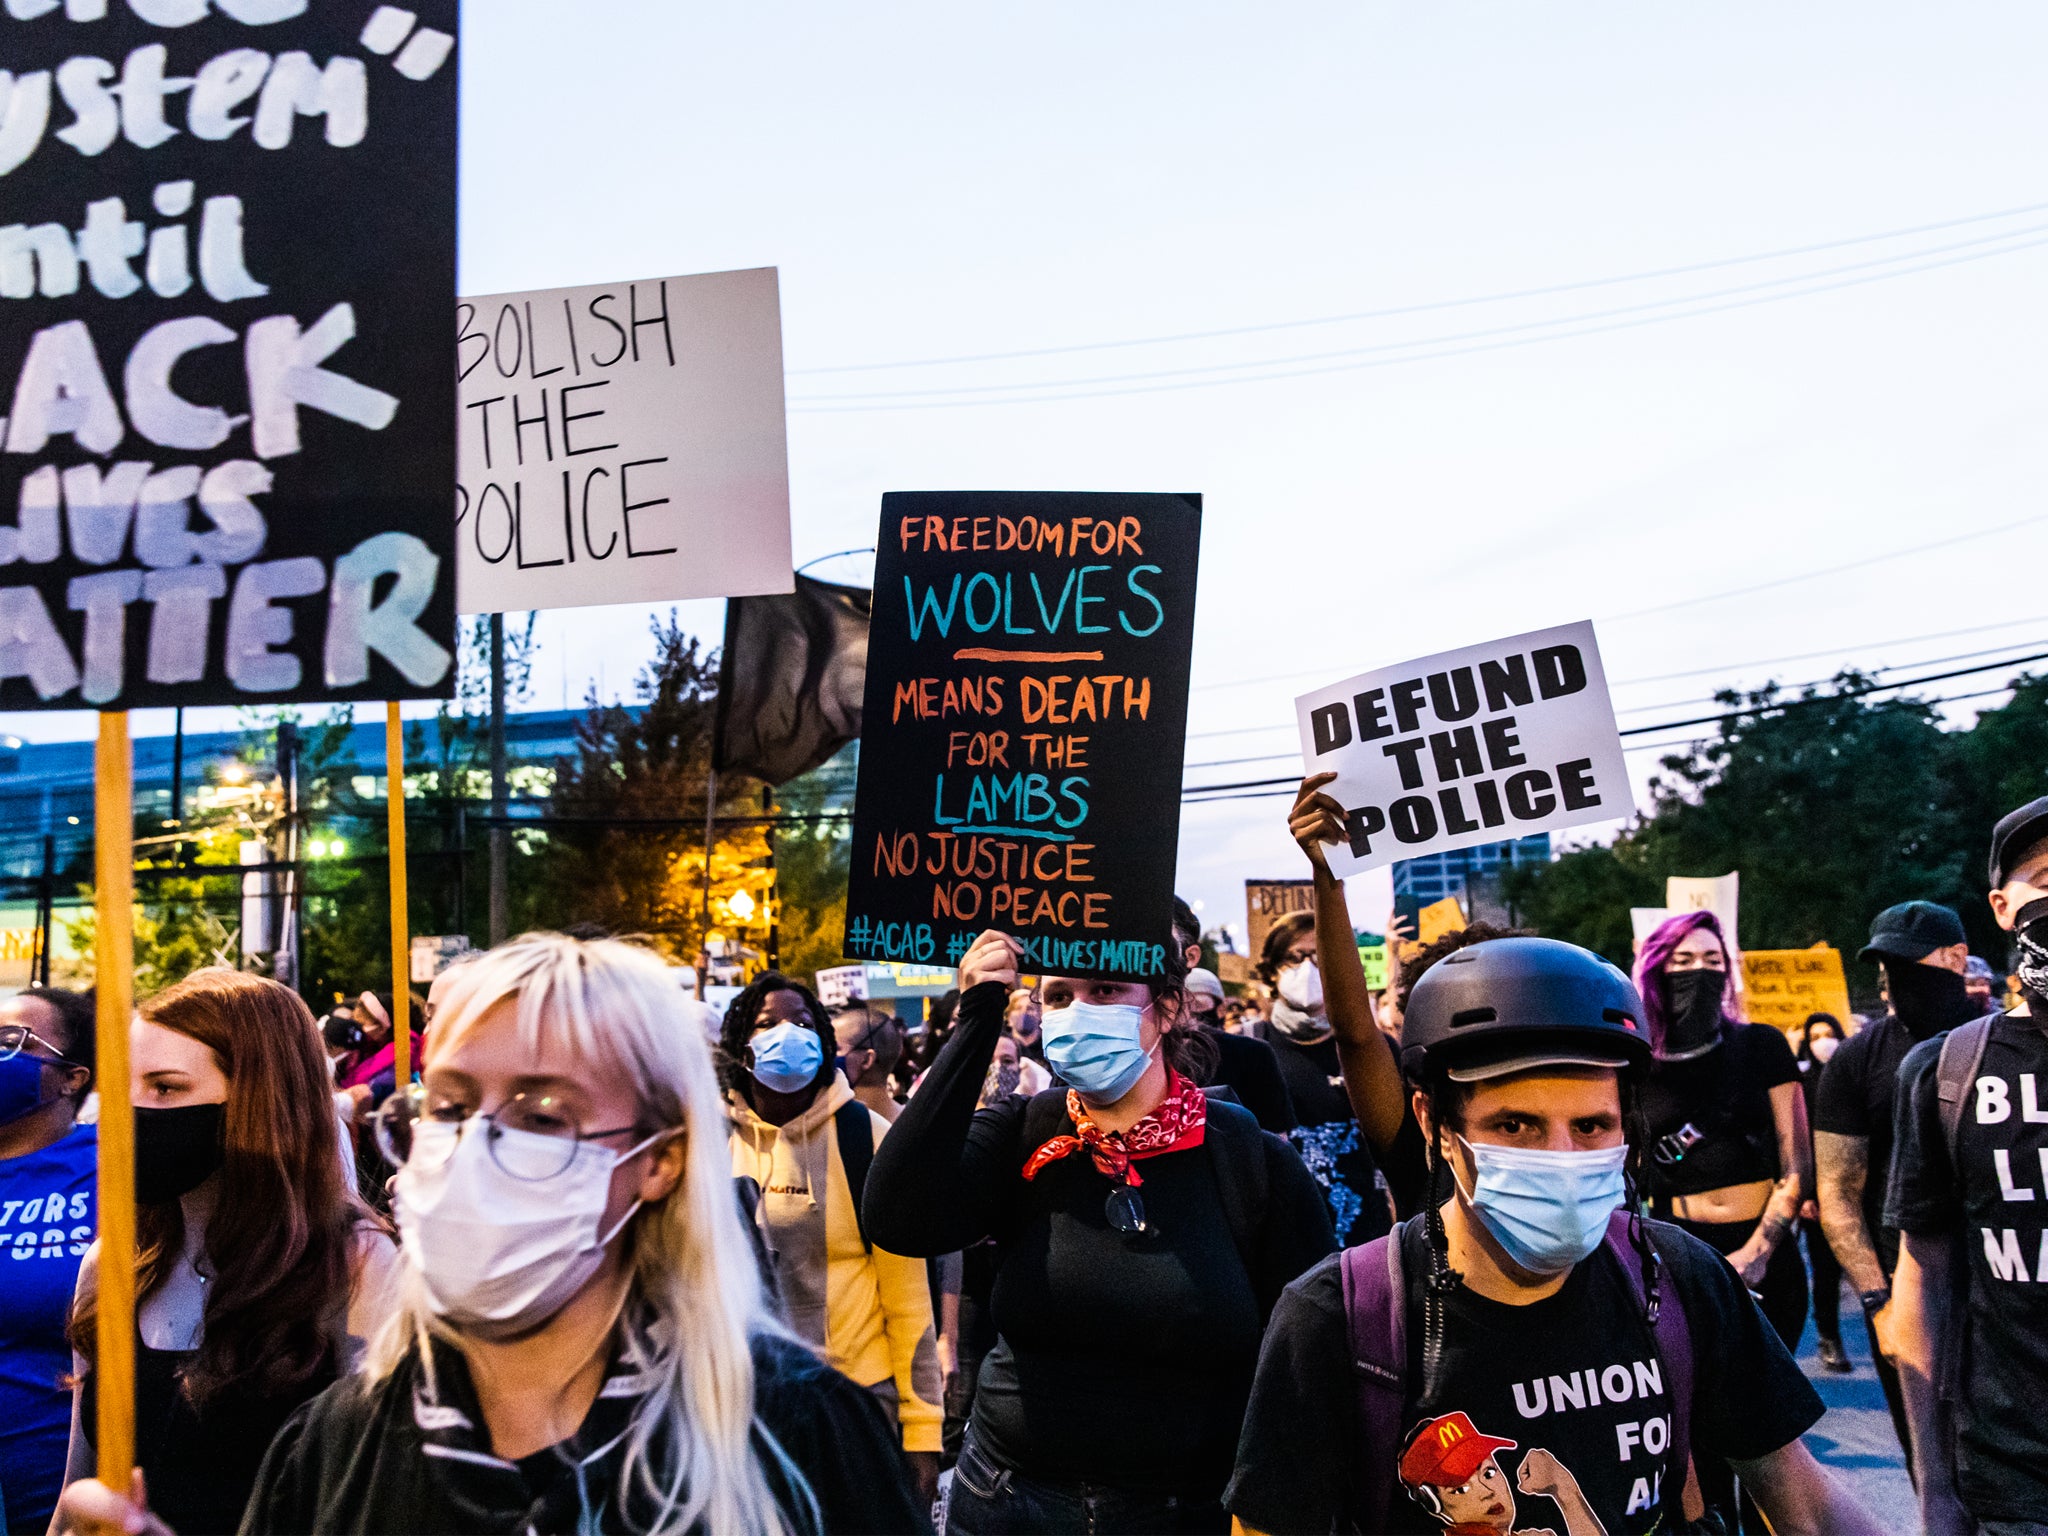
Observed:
{"x":259,"y":1277}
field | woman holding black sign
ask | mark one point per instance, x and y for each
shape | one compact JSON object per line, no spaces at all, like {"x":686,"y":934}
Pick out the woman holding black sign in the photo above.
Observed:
{"x":1143,"y":1233}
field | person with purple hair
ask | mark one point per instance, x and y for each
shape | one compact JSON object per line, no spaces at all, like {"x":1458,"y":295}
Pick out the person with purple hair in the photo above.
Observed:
{"x":1730,"y":1156}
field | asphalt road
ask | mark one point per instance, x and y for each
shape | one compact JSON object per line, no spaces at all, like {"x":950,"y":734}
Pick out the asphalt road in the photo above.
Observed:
{"x":1856,"y":1438}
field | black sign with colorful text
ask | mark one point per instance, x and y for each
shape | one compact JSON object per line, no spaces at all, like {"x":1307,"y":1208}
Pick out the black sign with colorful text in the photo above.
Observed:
{"x":227,"y":407}
{"x":1025,"y":718}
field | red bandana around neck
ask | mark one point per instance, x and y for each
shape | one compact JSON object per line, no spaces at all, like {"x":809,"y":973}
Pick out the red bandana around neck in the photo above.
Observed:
{"x":1177,"y":1124}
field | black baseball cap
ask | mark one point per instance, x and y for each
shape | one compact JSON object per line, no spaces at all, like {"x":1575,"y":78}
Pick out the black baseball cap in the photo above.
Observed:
{"x":2016,"y":832}
{"x":1912,"y":930}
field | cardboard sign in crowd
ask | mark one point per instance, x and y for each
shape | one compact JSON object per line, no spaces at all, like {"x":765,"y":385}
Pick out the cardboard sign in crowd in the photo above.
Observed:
{"x":227,"y":263}
{"x":622,"y":443}
{"x":1468,"y":747}
{"x":1024,"y":724}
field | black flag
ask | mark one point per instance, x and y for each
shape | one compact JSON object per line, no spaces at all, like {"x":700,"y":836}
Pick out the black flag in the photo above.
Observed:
{"x":790,"y":679}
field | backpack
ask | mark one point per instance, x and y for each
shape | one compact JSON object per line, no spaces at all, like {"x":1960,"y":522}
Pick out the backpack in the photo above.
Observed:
{"x":1955,"y":1074}
{"x":855,"y":1132}
{"x":1376,"y":1320}
{"x":1236,"y":1148}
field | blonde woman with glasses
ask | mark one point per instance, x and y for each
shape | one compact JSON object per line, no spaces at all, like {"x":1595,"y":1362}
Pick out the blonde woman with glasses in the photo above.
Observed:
{"x":582,"y":1342}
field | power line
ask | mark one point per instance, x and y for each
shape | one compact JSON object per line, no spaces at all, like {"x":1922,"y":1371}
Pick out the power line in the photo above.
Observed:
{"x":1667,"y":677}
{"x":1947,"y":698}
{"x":948,"y":399}
{"x":1646,"y":306}
{"x":1821,"y":682}
{"x":1832,"y":570}
{"x":1292,"y":785}
{"x":1435,"y":305}
{"x":1930,"y":661}
{"x":1768,"y":708}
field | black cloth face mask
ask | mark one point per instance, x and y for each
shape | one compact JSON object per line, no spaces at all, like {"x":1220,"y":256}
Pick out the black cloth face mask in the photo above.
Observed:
{"x":1692,"y":1012}
{"x":1926,"y":998}
{"x":2030,"y":954}
{"x":176,"y":1150}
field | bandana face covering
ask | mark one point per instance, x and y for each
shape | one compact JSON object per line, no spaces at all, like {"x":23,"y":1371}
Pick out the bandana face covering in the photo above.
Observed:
{"x":1692,"y":1012}
{"x":2030,"y":953}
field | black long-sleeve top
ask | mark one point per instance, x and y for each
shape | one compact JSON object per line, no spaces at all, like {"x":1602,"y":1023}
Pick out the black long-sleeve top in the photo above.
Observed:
{"x":1121,"y":1360}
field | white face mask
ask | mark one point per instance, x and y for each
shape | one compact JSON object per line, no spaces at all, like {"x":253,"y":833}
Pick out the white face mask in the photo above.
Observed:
{"x":1824,"y":1047}
{"x":499,"y":1255}
{"x":1302,"y":986}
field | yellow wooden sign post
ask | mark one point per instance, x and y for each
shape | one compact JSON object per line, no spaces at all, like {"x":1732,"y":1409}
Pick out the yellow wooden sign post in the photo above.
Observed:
{"x":401,"y":938}
{"x":114,"y":986}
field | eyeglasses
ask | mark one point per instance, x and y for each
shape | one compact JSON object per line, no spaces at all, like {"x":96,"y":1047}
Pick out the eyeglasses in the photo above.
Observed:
{"x":548,"y":1145}
{"x":1300,"y":956}
{"x":1125,"y":1211}
{"x":14,"y":1039}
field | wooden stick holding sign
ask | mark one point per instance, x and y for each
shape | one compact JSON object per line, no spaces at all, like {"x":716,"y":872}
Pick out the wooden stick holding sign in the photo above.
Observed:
{"x":113,"y":985}
{"x":401,"y":941}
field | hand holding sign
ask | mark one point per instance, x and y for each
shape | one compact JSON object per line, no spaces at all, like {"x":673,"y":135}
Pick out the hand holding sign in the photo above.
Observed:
{"x":1316,"y":819}
{"x":1474,"y":746}
{"x":992,"y":956}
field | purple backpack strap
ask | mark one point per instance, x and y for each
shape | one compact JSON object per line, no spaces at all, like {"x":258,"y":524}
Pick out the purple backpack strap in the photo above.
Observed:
{"x":1376,"y":1320}
{"x":1674,"y":1349}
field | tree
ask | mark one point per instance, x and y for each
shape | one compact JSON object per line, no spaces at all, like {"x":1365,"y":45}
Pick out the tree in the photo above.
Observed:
{"x":1832,"y":808}
{"x":812,"y":860}
{"x":653,"y":765}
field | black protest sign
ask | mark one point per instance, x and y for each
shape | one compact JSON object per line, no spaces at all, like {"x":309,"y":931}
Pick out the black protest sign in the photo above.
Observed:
{"x":1024,"y":721}
{"x":227,"y":410}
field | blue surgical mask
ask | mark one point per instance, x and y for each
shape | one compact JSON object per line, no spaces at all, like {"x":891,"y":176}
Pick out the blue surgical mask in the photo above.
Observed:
{"x":1547,"y":1210}
{"x":787,"y":1057}
{"x":1094,"y":1048}
{"x":21,"y":1086}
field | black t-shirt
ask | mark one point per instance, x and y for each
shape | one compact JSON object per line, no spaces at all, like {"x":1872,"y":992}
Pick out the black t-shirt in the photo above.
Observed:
{"x":1571,"y":1388}
{"x":1855,"y":1098}
{"x":1328,"y":1137}
{"x":1724,"y":1097}
{"x":1247,"y":1068}
{"x":1314,"y":1078}
{"x":1121,"y":1360}
{"x":1992,"y":1197}
{"x":401,"y":1458}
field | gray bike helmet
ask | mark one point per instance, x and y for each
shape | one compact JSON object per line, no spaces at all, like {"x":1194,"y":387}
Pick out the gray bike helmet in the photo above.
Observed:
{"x":1509,"y":1005}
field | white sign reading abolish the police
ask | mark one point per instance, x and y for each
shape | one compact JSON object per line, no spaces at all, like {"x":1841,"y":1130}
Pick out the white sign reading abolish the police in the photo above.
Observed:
{"x":1473,"y":746}
{"x":622,"y":443}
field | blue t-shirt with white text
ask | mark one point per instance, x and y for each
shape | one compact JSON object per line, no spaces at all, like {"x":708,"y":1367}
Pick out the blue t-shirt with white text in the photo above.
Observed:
{"x":48,"y":1215}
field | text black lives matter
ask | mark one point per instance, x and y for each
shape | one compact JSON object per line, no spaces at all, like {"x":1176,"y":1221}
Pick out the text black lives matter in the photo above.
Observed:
{"x":227,"y":280}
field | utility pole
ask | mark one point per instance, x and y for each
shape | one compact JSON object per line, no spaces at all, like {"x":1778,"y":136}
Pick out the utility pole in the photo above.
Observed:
{"x":178,"y":770}
{"x":501,"y":835}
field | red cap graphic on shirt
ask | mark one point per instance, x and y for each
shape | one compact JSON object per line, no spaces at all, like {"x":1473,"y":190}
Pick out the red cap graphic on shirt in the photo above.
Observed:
{"x":1446,"y":1452}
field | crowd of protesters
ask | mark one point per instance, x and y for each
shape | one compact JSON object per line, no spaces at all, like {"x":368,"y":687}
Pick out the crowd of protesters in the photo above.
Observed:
{"x":1515,"y":1241}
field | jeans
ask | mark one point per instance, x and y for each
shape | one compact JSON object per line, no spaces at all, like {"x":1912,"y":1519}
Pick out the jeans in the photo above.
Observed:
{"x":989,"y":1500}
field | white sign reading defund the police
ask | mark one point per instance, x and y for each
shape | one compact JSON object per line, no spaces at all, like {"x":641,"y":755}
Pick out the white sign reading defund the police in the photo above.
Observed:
{"x":622,"y":443}
{"x":1473,"y":746}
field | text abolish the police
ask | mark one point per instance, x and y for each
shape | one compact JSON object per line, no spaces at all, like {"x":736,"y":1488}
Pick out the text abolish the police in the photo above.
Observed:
{"x":1497,"y":741}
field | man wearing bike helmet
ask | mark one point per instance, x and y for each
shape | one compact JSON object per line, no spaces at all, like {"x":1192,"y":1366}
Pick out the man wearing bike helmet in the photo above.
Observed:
{"x":1532,"y":1316}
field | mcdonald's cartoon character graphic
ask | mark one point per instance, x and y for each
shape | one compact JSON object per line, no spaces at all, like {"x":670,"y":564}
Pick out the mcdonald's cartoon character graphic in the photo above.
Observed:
{"x":1453,"y":1471}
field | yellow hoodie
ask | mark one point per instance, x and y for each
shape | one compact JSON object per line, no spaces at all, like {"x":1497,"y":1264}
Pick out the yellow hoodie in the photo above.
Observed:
{"x":868,"y":1313}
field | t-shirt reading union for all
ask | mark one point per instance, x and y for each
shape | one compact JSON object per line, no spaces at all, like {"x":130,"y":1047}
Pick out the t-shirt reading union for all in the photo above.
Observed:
{"x":1994,"y":1196}
{"x":1547,"y":1414}
{"x":47,"y":1218}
